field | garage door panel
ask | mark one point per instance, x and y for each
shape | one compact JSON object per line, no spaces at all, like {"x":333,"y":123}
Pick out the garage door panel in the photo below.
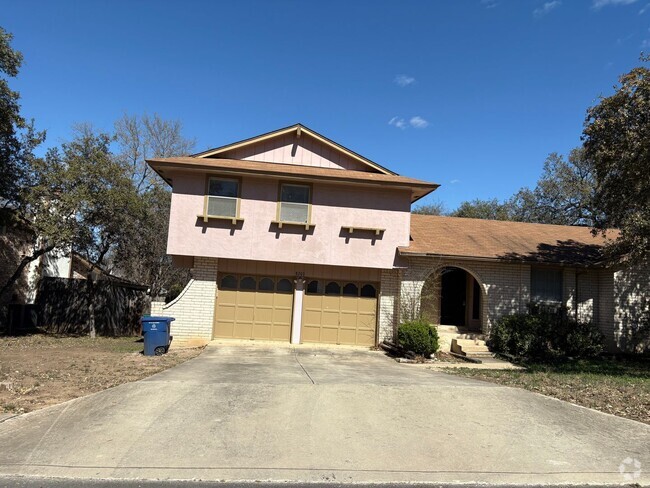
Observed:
{"x":261,"y":330}
{"x":330,"y":318}
{"x":246,"y":298}
{"x":263,"y":314}
{"x":366,"y":337}
{"x":332,"y":303}
{"x":329,"y":335}
{"x":254,"y":314}
{"x":348,"y":336}
{"x":367,"y":305}
{"x":264,"y":299}
{"x":280,"y":332}
{"x":225,"y":329}
{"x":282,"y":317}
{"x":311,"y":333}
{"x":228,"y":313}
{"x":339,"y":319}
{"x":348,"y":319}
{"x":367,"y":321}
{"x":242,"y":330}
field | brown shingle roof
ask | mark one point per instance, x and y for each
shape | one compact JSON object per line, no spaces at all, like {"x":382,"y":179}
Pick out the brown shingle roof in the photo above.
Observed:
{"x":164,"y":166}
{"x":501,"y":240}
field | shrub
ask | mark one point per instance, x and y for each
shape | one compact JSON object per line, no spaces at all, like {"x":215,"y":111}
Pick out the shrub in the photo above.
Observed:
{"x":544,"y":335}
{"x":419,"y":337}
{"x":579,"y":339}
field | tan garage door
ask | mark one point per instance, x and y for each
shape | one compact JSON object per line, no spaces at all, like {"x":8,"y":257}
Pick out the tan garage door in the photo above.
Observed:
{"x":340,"y":313}
{"x":253,"y":307}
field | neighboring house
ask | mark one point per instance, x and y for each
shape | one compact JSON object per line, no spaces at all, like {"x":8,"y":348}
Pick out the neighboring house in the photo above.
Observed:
{"x":293,"y":237}
{"x":54,"y":293}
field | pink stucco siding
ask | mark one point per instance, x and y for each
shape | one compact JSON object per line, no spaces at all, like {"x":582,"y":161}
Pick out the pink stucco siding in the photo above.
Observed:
{"x":289,"y":149}
{"x":257,"y":238}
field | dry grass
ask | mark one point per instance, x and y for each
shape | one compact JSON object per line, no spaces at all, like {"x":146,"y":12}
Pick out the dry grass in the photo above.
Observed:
{"x":41,"y":370}
{"x":617,"y":386}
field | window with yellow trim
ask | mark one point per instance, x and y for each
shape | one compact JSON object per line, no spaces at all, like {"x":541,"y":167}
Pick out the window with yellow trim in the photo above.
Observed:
{"x":223,"y":197}
{"x":294,"y":203}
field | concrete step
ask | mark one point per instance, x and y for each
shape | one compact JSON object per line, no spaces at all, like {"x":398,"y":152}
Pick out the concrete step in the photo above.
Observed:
{"x":471,"y":348}
{"x":454,"y":331}
{"x":470,"y":342}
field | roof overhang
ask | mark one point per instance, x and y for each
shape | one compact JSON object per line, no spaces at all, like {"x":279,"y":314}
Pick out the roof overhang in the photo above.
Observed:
{"x":167,"y":167}
{"x":404,"y":251}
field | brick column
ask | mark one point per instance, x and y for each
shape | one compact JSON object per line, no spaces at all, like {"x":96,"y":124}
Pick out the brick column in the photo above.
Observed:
{"x":389,"y":304}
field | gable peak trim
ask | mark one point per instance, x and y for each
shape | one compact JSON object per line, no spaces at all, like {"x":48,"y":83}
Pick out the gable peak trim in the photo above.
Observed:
{"x":299,"y":129}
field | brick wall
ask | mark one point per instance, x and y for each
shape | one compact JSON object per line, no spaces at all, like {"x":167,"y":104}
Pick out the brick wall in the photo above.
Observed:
{"x":389,"y":304}
{"x":615,"y":301}
{"x":193,"y":309}
{"x":505,"y":288}
{"x":631,"y":304}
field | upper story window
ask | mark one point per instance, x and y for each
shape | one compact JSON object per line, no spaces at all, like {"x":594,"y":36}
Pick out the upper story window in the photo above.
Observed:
{"x":222,"y":197}
{"x":546,"y":286}
{"x":294,"y":203}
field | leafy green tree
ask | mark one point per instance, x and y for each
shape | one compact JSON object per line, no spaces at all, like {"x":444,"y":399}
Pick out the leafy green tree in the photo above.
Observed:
{"x":435,"y":208}
{"x":564,"y":194}
{"x":78,"y":198}
{"x":107,"y":200}
{"x":617,"y":140}
{"x":18,"y":137}
{"x":484,"y":209}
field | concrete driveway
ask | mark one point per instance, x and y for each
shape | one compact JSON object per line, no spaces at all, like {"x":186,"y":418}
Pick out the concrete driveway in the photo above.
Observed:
{"x":273,"y":412}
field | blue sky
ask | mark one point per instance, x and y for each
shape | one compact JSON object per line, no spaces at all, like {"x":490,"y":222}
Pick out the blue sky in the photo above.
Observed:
{"x":471,"y":94}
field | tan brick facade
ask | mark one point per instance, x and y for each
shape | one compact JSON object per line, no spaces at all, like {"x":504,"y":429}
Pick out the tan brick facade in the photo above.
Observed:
{"x":389,"y":298}
{"x":631,"y":300}
{"x":505,"y":288}
{"x":614,"y":300}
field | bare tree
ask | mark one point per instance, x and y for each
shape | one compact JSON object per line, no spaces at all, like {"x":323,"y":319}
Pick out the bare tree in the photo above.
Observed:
{"x":143,"y":257}
{"x":142,"y":137}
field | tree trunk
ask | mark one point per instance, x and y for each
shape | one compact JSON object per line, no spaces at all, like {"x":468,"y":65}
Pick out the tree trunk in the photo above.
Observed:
{"x":21,"y":267}
{"x":91,"y":307}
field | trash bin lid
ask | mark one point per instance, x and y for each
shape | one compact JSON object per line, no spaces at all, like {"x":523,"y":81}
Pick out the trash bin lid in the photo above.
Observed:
{"x":148,"y":318}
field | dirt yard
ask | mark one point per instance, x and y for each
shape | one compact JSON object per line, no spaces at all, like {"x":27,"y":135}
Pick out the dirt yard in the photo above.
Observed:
{"x":620,"y":387}
{"x":41,"y":370}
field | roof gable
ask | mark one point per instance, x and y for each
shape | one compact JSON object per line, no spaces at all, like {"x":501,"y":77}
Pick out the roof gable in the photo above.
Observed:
{"x":295,"y":145}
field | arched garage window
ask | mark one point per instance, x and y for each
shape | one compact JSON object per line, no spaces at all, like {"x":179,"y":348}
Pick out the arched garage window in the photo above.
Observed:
{"x":247,"y":283}
{"x":333,"y":288}
{"x":284,"y":286}
{"x":368,"y":291}
{"x":266,"y":284}
{"x":229,"y":282}
{"x":350,"y":290}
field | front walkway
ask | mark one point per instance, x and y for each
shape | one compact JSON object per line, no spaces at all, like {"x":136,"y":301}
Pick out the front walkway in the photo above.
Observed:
{"x":262,"y":412}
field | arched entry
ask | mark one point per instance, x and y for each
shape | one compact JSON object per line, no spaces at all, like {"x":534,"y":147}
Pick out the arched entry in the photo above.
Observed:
{"x":453,"y":296}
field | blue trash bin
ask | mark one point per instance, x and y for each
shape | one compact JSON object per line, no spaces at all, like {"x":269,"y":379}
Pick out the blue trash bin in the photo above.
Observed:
{"x":157,"y":334}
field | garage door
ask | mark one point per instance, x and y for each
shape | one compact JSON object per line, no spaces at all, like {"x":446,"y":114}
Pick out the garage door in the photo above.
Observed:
{"x":253,"y":307}
{"x":340,"y":313}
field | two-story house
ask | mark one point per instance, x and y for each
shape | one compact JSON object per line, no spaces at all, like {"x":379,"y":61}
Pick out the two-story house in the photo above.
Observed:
{"x":293,"y":237}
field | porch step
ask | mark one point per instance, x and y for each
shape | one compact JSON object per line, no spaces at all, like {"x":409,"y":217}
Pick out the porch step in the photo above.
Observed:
{"x":470,"y":347}
{"x":459,"y":332}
